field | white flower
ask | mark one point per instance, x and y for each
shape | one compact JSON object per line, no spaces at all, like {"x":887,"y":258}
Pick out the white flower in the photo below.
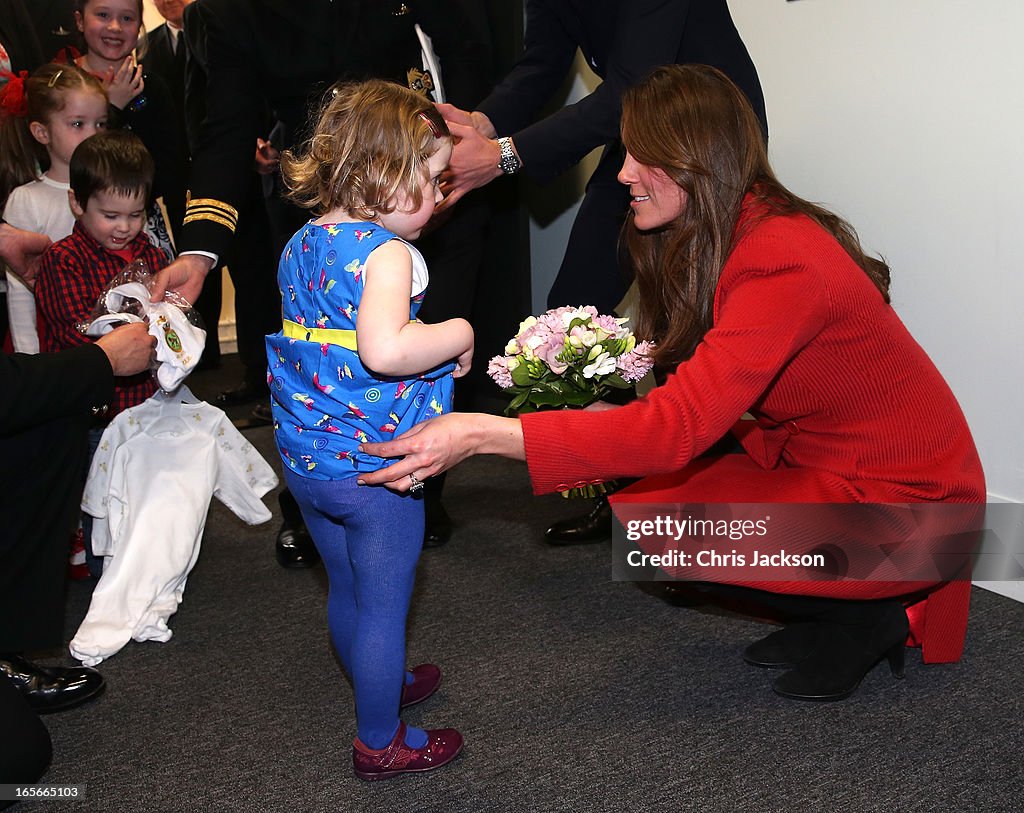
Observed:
{"x":581,"y":337}
{"x":602,"y":365}
{"x":512,"y":347}
{"x":574,"y":313}
{"x":526,"y":324}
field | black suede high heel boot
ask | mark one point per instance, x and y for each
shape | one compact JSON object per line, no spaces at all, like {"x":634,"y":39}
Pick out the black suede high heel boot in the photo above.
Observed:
{"x":852,"y":642}
{"x":785,"y":648}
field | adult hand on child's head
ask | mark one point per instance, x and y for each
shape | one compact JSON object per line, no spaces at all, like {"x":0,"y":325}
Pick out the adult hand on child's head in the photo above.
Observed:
{"x":477,"y":120}
{"x":473,"y":164}
{"x":450,"y":113}
{"x":129,"y":348}
{"x":22,"y":250}
{"x":184,"y":276}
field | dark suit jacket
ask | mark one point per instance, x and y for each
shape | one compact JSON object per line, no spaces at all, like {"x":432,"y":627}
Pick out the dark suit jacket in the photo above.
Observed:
{"x":55,"y":25}
{"x":621,"y":40}
{"x":269,"y":52}
{"x":18,"y":35}
{"x":160,"y":59}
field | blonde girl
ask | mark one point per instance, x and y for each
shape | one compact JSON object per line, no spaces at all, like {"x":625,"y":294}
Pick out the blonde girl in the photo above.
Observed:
{"x":351,"y":364}
{"x":45,"y":116}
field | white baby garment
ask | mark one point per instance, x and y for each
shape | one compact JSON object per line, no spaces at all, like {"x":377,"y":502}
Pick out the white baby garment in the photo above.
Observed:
{"x":150,"y":485}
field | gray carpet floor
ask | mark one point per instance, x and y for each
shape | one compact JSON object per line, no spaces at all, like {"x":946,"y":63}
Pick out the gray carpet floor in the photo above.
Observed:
{"x":574,"y":692}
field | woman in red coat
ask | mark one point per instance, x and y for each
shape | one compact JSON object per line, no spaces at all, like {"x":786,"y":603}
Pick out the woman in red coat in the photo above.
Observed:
{"x":764,"y":305}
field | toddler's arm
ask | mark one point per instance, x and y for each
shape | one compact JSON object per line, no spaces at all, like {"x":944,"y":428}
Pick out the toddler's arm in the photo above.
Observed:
{"x":64,"y":300}
{"x":388,"y":342}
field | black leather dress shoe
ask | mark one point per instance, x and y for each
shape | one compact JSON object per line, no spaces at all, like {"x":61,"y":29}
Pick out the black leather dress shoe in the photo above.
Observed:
{"x":51,"y":688}
{"x":261,"y":415}
{"x":244,"y":393}
{"x":295,"y":547}
{"x":592,"y":527}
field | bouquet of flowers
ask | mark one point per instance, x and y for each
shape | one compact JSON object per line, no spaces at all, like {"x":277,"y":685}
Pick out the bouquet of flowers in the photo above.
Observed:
{"x":569,"y":357}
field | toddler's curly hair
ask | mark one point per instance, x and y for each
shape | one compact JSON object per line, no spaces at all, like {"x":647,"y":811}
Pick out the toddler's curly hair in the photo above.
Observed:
{"x":372,"y":141}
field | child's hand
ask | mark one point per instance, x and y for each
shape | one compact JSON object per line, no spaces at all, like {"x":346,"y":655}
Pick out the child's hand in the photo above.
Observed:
{"x":125,"y":84}
{"x":464,"y":362}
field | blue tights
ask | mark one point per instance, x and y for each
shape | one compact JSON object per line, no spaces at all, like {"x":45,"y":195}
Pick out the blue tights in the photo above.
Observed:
{"x":370,"y":541}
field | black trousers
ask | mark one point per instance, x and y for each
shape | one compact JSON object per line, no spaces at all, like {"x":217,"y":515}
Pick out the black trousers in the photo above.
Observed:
{"x":25,"y":747}
{"x":591,"y":273}
{"x":252,"y":265}
{"x":39,"y":506}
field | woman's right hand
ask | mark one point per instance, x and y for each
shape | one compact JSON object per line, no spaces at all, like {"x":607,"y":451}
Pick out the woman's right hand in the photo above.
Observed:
{"x":437,"y":444}
{"x":125,"y":84}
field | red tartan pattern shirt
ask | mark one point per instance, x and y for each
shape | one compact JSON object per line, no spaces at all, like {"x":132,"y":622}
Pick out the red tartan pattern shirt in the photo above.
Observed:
{"x":73,"y":274}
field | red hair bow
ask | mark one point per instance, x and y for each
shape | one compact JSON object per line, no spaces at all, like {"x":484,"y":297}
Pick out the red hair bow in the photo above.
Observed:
{"x":12,"y":95}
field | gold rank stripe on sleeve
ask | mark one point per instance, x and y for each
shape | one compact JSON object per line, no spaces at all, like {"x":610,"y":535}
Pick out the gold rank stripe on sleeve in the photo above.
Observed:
{"x":211,"y":209}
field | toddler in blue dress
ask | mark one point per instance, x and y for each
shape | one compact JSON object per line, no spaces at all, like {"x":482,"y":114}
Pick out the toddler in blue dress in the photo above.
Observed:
{"x":352,"y":364}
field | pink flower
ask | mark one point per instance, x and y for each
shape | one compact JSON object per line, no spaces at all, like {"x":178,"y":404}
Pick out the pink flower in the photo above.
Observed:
{"x":635,"y":364}
{"x":548,"y":353}
{"x":497,"y":368}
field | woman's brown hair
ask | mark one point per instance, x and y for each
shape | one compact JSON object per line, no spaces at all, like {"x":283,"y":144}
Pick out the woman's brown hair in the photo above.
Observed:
{"x":693,"y":123}
{"x":373,"y":140}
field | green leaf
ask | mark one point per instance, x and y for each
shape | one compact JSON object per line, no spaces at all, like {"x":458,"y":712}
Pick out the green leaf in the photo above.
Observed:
{"x":521,"y":376}
{"x":544,"y":398}
{"x":519,"y":400}
{"x":617,"y":381}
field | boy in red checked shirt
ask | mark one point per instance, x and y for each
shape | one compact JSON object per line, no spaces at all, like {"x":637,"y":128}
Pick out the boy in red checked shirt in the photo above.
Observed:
{"x":111,"y":176}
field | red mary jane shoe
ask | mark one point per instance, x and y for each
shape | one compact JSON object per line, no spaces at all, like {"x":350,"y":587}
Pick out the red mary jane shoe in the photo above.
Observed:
{"x":426,"y":679}
{"x":443,"y":745}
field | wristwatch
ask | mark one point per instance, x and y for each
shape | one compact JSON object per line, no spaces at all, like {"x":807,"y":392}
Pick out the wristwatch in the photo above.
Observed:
{"x":509,"y":163}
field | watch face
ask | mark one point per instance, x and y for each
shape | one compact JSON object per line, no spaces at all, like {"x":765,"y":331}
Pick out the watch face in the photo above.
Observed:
{"x":509,"y":163}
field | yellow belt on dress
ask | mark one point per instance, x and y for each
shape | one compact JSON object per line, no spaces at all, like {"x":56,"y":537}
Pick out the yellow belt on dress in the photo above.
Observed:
{"x":320,"y":335}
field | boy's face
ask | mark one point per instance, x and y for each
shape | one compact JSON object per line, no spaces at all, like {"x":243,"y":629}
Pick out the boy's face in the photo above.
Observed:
{"x":113,"y":220}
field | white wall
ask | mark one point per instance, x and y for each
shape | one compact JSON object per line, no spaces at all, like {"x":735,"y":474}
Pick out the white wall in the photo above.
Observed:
{"x":905,"y":116}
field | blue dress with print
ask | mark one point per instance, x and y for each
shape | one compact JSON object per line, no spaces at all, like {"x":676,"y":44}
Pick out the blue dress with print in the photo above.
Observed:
{"x":324,"y":401}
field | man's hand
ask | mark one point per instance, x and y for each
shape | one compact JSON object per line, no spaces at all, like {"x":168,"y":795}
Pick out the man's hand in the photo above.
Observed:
{"x":184,"y":276}
{"x":268,"y":157}
{"x":21,"y":250}
{"x":477,"y":120}
{"x":474,"y":163}
{"x":130,"y":348}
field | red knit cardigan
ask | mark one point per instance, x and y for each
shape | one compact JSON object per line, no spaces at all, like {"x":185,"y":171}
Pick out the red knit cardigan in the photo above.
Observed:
{"x":848,"y":408}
